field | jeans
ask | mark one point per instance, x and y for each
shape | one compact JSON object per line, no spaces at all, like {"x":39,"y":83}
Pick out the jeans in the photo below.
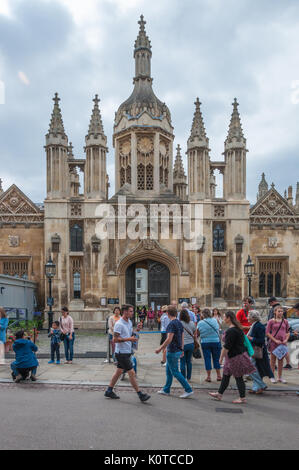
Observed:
{"x":69,"y":347}
{"x":15,"y":370}
{"x":172,"y":370}
{"x":55,"y":348}
{"x":258,"y":382}
{"x":187,"y":360}
{"x":211,"y":350}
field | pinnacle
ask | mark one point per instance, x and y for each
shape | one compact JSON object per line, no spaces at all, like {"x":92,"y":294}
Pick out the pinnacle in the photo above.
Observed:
{"x":235,"y":130}
{"x":198,"y":128}
{"x":178,"y":171}
{"x":142,"y":40}
{"x":96,"y":125}
{"x":56,"y":123}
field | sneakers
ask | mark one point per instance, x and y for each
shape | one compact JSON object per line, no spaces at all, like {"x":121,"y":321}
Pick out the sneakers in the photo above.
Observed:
{"x":273,"y":381}
{"x":143,"y":396}
{"x":33,"y":378}
{"x":288,"y":366}
{"x":111,"y":394}
{"x":186,"y":394}
{"x":58,"y":362}
{"x":161,"y":392}
{"x":51,"y":362}
{"x":18,"y":379}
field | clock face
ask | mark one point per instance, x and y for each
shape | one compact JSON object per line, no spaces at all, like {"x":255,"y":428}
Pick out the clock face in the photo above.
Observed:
{"x":126,"y":148}
{"x":145,"y":145}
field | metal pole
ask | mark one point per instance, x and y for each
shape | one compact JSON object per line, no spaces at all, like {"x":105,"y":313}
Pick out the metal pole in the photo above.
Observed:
{"x":249,"y":285}
{"x":50,"y":313}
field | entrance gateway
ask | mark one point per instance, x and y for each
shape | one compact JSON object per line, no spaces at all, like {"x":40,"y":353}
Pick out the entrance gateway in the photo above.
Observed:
{"x":154,"y":285}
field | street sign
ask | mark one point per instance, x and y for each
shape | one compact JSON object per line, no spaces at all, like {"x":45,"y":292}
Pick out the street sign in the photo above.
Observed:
{"x":50,"y":301}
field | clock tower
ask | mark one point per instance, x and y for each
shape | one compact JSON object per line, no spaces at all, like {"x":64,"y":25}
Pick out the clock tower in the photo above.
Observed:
{"x":143,"y":133}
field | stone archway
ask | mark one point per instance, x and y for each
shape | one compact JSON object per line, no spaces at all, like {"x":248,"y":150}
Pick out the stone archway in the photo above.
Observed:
{"x":149,"y":250}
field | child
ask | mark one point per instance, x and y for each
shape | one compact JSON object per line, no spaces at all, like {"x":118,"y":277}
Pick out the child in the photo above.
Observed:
{"x":55,"y":342}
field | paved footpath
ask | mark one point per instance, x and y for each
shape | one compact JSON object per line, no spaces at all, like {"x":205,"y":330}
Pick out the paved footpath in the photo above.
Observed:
{"x":150,"y":373}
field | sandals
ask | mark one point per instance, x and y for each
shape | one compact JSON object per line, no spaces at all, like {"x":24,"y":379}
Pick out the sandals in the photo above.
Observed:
{"x":208,"y":380}
{"x":240,"y":401}
{"x":216,"y":396}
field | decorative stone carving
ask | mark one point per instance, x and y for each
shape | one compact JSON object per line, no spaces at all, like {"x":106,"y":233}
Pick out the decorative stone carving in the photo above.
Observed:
{"x":13,"y":240}
{"x":96,"y":244}
{"x":273,"y":210}
{"x":272,"y":242}
{"x":145,"y":145}
{"x":15,"y":207}
{"x":148,"y":244}
{"x":219,"y":211}
{"x":76,"y":210}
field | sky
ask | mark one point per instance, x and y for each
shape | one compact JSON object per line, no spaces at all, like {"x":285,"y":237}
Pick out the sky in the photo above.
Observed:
{"x":214,"y":49}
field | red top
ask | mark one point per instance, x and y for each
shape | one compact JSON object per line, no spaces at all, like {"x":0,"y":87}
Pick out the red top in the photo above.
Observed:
{"x":242,"y":317}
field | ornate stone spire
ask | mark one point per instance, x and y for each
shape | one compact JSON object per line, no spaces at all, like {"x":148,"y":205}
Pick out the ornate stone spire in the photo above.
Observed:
{"x":179,"y":171}
{"x":179,"y":177}
{"x":56,"y":123}
{"x":235,"y":137}
{"x":142,"y":41}
{"x":1,"y":188}
{"x":96,"y":125}
{"x":198,"y":130}
{"x":263,"y":187}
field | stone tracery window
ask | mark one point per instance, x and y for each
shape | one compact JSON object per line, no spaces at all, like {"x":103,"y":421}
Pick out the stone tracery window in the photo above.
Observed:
{"x":272,"y":278}
{"x":219,"y":237}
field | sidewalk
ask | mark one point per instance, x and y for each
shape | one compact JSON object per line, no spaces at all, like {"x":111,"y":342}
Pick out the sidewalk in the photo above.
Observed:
{"x":150,"y":373}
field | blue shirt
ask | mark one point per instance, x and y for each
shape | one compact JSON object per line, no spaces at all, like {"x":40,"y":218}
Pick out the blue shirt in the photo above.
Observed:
{"x":209,"y":330}
{"x":177,"y":329}
{"x":3,"y":328}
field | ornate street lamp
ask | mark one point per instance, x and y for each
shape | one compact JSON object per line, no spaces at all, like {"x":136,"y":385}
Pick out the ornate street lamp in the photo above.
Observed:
{"x":249,"y":271}
{"x":50,"y":271}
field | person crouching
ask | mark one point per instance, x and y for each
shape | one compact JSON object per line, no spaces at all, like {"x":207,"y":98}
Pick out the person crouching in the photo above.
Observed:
{"x":25,"y":358}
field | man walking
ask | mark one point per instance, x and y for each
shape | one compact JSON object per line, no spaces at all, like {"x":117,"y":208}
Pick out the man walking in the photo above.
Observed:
{"x":175,"y":349}
{"x":123,"y":337}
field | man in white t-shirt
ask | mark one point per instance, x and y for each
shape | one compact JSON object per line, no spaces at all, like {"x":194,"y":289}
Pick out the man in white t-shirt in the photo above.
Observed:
{"x":123,"y":338}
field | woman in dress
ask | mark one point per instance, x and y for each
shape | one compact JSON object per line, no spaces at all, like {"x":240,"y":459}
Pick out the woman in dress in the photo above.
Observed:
{"x":278,"y":333}
{"x":111,"y":322}
{"x":237,"y":361}
{"x":257,"y":335}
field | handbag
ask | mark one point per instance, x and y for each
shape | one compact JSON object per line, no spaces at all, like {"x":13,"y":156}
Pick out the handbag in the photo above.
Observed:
{"x":196,"y":351}
{"x":258,"y":352}
{"x":62,"y":335}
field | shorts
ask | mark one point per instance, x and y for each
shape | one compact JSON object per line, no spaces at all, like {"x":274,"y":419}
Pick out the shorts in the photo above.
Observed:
{"x":124,"y":361}
{"x":163,"y":338}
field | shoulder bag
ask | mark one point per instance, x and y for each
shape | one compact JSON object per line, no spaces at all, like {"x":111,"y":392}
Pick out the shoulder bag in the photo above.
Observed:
{"x":196,"y":352}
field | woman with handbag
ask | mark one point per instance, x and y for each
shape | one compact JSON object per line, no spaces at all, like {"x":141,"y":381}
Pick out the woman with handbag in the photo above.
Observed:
{"x":189,"y":339}
{"x":260,"y":359}
{"x":237,"y":362}
{"x":67,"y":335}
{"x":278,"y":333}
{"x":208,"y":329}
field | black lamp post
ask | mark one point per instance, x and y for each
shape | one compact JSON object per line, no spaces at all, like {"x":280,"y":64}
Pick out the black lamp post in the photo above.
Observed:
{"x":50,"y":270}
{"x":249,"y":270}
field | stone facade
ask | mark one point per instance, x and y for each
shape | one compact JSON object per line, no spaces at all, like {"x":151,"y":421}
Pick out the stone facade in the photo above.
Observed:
{"x":91,"y":270}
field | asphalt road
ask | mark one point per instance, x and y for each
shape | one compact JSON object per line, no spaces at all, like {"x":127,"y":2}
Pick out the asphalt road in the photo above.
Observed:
{"x":35,"y":417}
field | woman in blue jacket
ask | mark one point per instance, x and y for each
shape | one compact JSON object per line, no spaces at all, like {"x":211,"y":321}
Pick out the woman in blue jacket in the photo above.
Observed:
{"x":3,"y":328}
{"x":257,"y":336}
{"x":25,"y":357}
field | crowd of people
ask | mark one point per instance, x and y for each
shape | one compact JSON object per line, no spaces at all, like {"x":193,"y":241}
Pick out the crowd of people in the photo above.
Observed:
{"x":238,"y":345}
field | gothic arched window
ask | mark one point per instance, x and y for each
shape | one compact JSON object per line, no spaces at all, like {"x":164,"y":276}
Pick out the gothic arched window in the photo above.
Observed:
{"x":270,"y":285}
{"x":77,"y":285}
{"x":278,"y":284}
{"x":219,"y":237}
{"x":76,"y":236}
{"x":262,"y":285}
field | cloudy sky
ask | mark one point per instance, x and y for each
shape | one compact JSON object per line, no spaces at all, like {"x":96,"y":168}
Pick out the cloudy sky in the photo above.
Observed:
{"x":214,"y":49}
